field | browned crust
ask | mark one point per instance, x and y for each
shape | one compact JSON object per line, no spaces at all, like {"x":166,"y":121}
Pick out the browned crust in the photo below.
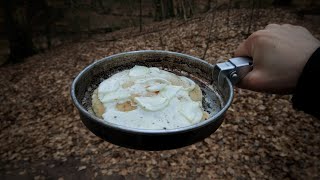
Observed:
{"x":196,"y":94}
{"x":126,"y":106}
{"x":97,"y":106}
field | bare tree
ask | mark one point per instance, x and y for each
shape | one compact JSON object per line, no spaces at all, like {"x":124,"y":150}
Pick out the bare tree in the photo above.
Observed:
{"x":183,"y":8}
{"x":140,"y":16}
{"x":164,"y":9}
{"x":191,"y":7}
{"x":158,"y":12}
{"x":18,"y":33}
{"x":209,"y":5}
{"x":282,"y":2}
{"x":97,"y":5}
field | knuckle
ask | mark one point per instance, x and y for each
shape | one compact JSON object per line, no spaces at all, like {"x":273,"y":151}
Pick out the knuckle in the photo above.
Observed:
{"x":302,"y":28}
{"x":272,"y":26}
{"x":259,"y":38}
{"x":258,"y":35}
{"x":295,"y":27}
{"x":287,"y":25}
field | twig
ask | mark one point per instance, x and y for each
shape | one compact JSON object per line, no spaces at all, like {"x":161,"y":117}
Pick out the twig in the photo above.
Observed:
{"x":251,"y":17}
{"x":210,"y":33}
{"x":161,"y":42}
{"x":186,"y":21}
{"x":228,"y":18}
{"x":257,"y":16}
{"x":152,"y":31}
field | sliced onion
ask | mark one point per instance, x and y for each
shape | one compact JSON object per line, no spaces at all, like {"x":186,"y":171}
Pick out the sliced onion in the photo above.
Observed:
{"x":190,"y":85}
{"x":108,"y":85}
{"x":191,"y":111}
{"x":170,"y":91}
{"x":153,"y":103}
{"x":156,"y":87}
{"x":154,"y":70}
{"x":114,"y":96}
{"x":138,"y":71}
{"x":154,"y":80}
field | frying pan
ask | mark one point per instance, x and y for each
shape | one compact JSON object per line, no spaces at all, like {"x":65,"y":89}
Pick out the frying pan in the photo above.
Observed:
{"x":216,"y":83}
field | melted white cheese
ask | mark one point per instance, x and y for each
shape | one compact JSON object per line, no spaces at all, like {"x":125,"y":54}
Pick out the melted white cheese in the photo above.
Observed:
{"x":159,"y":103}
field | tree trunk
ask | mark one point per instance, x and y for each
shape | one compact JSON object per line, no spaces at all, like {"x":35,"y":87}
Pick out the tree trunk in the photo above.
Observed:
{"x":163,"y":9}
{"x":19,"y":35}
{"x":184,"y":9}
{"x":209,"y":5}
{"x":158,"y":13}
{"x":191,"y":6}
{"x":282,"y":2}
{"x":47,"y":12}
{"x":176,"y":10}
{"x":140,"y":16}
{"x":170,"y":8}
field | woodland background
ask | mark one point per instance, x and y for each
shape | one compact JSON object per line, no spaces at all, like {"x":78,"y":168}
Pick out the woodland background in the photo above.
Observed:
{"x":46,"y":44}
{"x":29,"y":27}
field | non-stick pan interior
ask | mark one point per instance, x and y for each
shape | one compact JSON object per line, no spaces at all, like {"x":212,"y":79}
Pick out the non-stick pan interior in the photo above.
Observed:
{"x":214,"y":99}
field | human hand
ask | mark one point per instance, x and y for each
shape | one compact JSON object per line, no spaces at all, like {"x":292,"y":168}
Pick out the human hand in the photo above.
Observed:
{"x":279,"y":53}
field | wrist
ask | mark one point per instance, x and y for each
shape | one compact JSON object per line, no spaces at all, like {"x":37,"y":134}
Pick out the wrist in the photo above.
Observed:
{"x":305,"y":95}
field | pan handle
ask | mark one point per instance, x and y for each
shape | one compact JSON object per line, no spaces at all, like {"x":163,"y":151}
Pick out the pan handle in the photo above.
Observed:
{"x":235,"y":68}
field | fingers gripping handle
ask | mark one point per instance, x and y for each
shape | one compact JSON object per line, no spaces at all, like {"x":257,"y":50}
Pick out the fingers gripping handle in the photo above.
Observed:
{"x":235,"y":68}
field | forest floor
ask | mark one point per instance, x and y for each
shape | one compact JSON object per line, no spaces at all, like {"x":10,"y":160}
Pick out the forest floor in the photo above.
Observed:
{"x":262,"y":137}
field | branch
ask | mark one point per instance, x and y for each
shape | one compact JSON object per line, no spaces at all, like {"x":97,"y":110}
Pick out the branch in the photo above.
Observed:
{"x":251,"y":17}
{"x":210,"y":32}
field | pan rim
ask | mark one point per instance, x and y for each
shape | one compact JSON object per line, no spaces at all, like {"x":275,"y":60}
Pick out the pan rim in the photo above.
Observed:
{"x":125,"y":129}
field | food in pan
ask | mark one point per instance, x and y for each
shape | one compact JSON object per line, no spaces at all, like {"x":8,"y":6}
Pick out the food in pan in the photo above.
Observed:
{"x":149,"y":98}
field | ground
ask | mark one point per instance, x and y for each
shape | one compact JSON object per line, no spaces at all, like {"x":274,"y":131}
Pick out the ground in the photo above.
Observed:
{"x":262,"y":137}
